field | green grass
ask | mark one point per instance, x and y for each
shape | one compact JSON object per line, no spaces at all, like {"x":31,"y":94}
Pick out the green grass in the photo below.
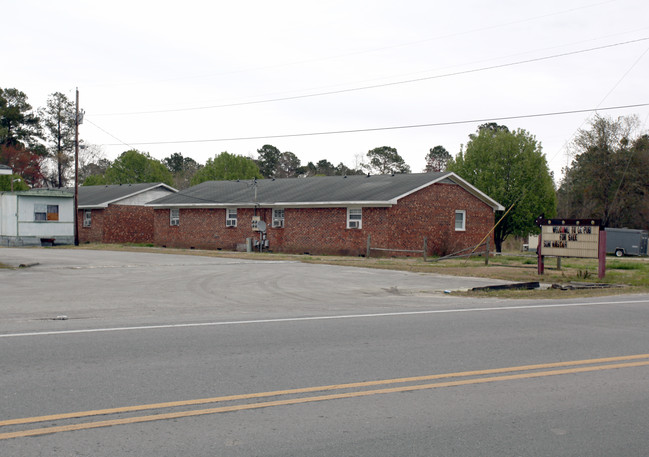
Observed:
{"x":634,"y":274}
{"x":627,"y":266}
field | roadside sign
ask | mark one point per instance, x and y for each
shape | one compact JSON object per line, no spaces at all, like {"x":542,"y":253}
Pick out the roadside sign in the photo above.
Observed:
{"x":581,"y":238}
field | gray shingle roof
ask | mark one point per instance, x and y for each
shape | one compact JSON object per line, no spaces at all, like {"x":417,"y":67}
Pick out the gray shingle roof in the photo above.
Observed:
{"x":103,"y":195}
{"x":380,"y":190}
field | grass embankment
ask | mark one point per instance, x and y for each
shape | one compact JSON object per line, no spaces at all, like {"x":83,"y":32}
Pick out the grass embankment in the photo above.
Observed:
{"x":630,"y":272}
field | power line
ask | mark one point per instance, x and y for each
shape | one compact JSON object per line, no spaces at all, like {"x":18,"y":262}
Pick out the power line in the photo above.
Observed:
{"x":110,"y":134}
{"x":377,"y":86}
{"x":375,"y":129}
{"x":377,"y":49}
{"x":626,"y":73}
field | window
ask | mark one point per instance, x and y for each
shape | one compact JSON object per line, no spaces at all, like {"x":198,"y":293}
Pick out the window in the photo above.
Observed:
{"x":354,"y":218}
{"x":40,"y":212}
{"x":460,"y":220}
{"x":46,"y":212}
{"x":174,"y":216}
{"x":278,"y":218}
{"x":87,"y":218}
{"x":52,"y":212}
{"x":231,"y":217}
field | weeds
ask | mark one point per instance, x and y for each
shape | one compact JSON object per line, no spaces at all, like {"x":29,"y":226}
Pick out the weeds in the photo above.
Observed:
{"x":627,"y":266}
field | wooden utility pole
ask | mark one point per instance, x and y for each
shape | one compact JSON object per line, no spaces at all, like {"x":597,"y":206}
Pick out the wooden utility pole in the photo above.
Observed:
{"x":76,"y":171}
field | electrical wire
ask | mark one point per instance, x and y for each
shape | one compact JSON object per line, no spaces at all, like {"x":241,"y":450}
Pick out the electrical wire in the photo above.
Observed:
{"x":376,"y":129}
{"x":377,"y":49}
{"x":382,"y":85}
{"x":626,"y":73}
{"x":525,"y":189}
{"x":110,"y":134}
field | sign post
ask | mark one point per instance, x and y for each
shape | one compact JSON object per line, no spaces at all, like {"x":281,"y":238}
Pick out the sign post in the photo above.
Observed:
{"x":582,"y":238}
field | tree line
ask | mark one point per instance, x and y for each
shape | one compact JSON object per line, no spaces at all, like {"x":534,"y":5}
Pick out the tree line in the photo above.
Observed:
{"x":182,"y":172}
{"x":607,"y":178}
{"x":39,"y":145}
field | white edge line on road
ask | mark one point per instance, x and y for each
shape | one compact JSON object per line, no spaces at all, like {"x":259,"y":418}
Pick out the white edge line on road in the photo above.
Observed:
{"x":318,"y":318}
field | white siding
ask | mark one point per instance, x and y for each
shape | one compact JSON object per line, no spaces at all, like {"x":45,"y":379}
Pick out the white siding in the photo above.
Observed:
{"x":8,"y":222}
{"x":144,"y":197}
{"x":46,"y":229}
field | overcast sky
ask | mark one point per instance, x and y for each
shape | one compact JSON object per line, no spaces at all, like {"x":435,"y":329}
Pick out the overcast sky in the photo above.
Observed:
{"x":200,"y":77}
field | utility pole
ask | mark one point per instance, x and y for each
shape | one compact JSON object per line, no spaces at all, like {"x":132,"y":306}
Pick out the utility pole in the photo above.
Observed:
{"x":76,"y":171}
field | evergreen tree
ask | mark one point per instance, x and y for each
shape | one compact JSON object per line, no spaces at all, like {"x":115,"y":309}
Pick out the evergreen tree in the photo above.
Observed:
{"x":58,"y":118}
{"x":385,"y":160}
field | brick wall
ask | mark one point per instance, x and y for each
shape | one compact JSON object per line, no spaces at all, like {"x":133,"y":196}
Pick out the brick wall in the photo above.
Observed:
{"x":94,"y":233}
{"x":428,"y":213}
{"x":128,"y":224}
{"x":431,"y":213}
{"x":118,"y":224}
{"x":197,"y":229}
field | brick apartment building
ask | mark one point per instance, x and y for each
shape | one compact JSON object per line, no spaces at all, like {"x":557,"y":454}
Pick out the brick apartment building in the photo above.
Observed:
{"x":116,"y":213}
{"x":328,"y":215}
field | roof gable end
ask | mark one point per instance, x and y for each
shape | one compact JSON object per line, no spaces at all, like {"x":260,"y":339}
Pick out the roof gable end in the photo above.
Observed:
{"x":96,"y":197}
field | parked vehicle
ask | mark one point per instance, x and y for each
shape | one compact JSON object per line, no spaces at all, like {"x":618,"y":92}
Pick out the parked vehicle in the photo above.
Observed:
{"x":532,"y":243}
{"x":623,"y":242}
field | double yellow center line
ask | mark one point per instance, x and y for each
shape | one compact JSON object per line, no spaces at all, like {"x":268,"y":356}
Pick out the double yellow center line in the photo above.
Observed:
{"x":347,"y":391}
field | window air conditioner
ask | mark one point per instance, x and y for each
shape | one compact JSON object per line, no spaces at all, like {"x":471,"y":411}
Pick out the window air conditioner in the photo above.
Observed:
{"x":230,"y":222}
{"x":278,"y":223}
{"x":354,"y":224}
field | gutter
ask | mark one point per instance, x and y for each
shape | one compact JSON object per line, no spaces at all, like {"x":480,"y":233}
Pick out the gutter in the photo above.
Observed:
{"x":365,"y":204}
{"x":17,"y":216}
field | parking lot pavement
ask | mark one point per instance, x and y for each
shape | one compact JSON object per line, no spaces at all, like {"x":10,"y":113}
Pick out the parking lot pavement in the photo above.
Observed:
{"x":95,"y":286}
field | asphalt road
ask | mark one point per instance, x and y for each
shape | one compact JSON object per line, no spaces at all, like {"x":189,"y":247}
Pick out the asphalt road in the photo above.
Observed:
{"x":180,"y":355}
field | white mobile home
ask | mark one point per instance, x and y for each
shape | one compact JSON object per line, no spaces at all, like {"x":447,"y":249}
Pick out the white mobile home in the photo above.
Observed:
{"x":38,"y":217}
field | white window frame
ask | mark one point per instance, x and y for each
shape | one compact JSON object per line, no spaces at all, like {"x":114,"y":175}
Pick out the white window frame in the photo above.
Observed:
{"x":278,"y":217}
{"x":40,"y":212}
{"x":461,"y":227}
{"x":230,"y":217}
{"x":45,"y":213}
{"x":87,"y":218}
{"x":354,"y":218}
{"x":174,"y":216}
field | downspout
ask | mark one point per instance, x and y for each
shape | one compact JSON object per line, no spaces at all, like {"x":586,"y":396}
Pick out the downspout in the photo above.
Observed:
{"x":17,"y":217}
